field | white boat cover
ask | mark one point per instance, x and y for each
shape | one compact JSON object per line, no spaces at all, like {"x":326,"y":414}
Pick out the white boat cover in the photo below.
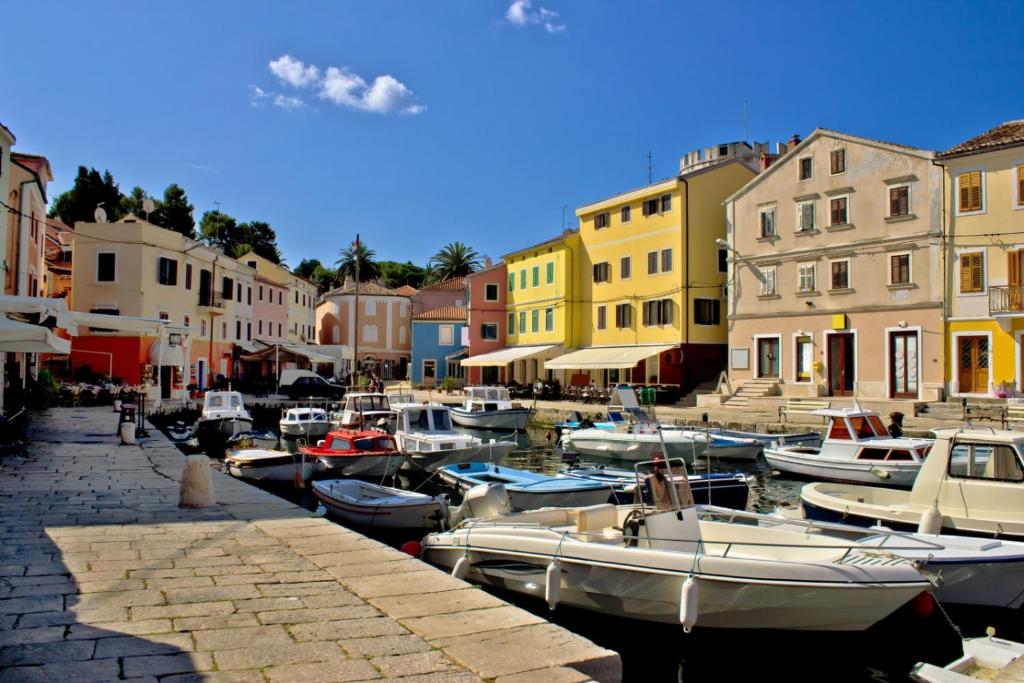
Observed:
{"x":19,"y":337}
{"x":506,"y":355}
{"x":605,"y":357}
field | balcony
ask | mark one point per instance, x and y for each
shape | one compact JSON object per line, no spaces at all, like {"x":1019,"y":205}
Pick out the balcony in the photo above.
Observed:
{"x":212,"y":301}
{"x":1006,"y":301}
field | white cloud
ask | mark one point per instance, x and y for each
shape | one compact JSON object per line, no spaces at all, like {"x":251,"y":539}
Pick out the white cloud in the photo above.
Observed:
{"x":288,"y":102}
{"x":294,"y":72}
{"x":521,"y":13}
{"x":258,"y":96}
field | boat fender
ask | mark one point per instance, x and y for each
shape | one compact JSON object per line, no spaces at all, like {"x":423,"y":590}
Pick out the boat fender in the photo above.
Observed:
{"x":462,"y":567}
{"x":688,"y":604}
{"x":553,"y":584}
{"x":880,"y":473}
{"x":931,"y":521}
{"x":411,"y":548}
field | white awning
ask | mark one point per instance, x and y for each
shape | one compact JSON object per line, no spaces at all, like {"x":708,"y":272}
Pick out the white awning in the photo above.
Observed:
{"x":606,"y":357}
{"x":506,"y":355}
{"x":19,"y":337}
{"x":309,"y":353}
{"x":172,"y":355}
{"x":247,"y":346}
{"x":458,"y":354}
{"x":120,"y":323}
{"x":45,"y":307}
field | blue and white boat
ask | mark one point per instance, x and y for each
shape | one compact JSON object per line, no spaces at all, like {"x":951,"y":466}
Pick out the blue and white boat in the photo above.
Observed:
{"x":725,"y":489}
{"x":527,"y":490}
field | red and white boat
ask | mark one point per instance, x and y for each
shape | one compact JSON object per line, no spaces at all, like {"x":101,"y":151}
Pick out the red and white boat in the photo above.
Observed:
{"x":356,"y":453}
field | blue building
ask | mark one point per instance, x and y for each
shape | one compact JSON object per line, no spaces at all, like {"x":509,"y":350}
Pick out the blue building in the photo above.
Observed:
{"x":438,"y":345}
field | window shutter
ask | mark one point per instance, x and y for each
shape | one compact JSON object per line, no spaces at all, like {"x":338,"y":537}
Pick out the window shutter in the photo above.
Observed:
{"x":976,"y":271}
{"x":965,"y":272}
{"x":965,"y":192}
{"x":1020,"y":185}
{"x":976,"y":190}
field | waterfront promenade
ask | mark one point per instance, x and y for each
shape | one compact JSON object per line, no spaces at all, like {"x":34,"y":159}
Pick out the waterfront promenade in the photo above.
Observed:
{"x":103,"y":577}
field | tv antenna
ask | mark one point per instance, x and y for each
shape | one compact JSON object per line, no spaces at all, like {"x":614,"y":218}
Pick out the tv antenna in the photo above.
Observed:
{"x":148,"y":207}
{"x":100,"y":214}
{"x":650,"y":168}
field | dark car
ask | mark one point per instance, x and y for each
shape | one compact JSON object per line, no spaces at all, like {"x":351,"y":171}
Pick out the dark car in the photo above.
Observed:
{"x":317,"y":387}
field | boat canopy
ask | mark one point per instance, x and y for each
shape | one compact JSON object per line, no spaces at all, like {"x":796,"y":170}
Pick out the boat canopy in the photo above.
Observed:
{"x":426,"y":418}
{"x":507,"y":355}
{"x":489,"y":394}
{"x":220,"y":400}
{"x":367,"y":403}
{"x":605,"y":357}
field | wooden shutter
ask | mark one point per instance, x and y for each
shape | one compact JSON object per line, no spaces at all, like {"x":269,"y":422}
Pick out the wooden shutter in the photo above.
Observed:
{"x":970,"y":272}
{"x":1013,"y":278}
{"x":1020,"y":185}
{"x":839,"y":211}
{"x":970,"y":191}
{"x":837,"y":161}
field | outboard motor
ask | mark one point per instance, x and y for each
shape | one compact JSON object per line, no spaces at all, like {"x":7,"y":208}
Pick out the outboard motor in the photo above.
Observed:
{"x":481,"y":502}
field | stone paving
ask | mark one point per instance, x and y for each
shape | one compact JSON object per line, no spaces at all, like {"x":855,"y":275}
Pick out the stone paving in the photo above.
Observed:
{"x":103,"y":577}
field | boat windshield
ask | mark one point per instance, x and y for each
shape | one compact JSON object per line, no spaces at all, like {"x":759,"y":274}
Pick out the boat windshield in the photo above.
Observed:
{"x":654,"y":483}
{"x":337,"y":444}
{"x":364,"y":404}
{"x":236,"y":401}
{"x":368,"y":443}
{"x":214,"y":401}
{"x":442,"y":420}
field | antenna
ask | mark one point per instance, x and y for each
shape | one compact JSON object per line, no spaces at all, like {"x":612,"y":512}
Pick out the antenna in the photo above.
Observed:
{"x":563,"y":216}
{"x":148,"y":206}
{"x":100,"y":214}
{"x":746,"y":122}
{"x":650,"y":169}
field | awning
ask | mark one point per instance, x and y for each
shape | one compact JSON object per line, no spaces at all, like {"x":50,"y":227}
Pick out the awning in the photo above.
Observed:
{"x":313,"y":356}
{"x":172,"y":355}
{"x":18,"y":337}
{"x":44,"y":307}
{"x":458,"y":354}
{"x":247,"y":346}
{"x":119,"y":323}
{"x":506,"y":355}
{"x":606,"y":357}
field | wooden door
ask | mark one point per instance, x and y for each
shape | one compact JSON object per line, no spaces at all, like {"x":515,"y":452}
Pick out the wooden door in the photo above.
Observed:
{"x":841,"y":364}
{"x":903,"y":361}
{"x":972,"y":359}
{"x":1013,"y":290}
{"x":768,"y":358}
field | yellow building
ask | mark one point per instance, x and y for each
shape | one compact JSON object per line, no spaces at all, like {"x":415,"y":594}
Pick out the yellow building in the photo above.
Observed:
{"x":651,"y":304}
{"x":984,"y":179}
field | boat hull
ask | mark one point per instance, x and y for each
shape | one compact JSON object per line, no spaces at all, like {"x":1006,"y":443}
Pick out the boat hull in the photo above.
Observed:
{"x":278,"y":469}
{"x":882,"y":473}
{"x":521,"y":499}
{"x":423,"y":514}
{"x":213,"y":433}
{"x":430,"y":461}
{"x":634,"y":447}
{"x":360,"y":466}
{"x":512,"y":419}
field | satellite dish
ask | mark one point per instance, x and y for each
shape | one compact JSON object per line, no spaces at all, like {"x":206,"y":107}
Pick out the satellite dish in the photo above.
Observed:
{"x":100,"y":215}
{"x":148,"y":206}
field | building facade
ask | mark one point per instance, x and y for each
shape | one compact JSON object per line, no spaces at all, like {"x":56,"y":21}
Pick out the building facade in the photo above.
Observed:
{"x":447,"y":293}
{"x":835,"y":272}
{"x":270,"y":311}
{"x":26,"y":232}
{"x":384,"y":342}
{"x":486,"y":321}
{"x":297,"y":301}
{"x":984,"y":190}
{"x":437,"y":345}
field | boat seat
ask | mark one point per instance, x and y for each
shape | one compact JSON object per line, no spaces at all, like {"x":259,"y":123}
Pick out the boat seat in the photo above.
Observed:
{"x":596,"y":518}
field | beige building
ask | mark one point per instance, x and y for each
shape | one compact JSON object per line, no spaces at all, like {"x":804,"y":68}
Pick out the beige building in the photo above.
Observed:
{"x":384,"y":342}
{"x":26,"y":231}
{"x":835,"y":273}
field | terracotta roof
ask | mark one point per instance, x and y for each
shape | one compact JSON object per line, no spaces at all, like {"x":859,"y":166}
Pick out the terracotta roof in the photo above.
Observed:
{"x":443,"y":313}
{"x":407,"y":290}
{"x":450,"y":285}
{"x":370,"y":288}
{"x":1009,"y":134}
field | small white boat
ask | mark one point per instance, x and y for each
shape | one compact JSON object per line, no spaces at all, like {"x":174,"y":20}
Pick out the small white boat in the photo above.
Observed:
{"x":223,"y":416}
{"x":857,"y":448}
{"x":372,"y":505}
{"x":305,"y":422}
{"x":984,"y":659}
{"x":260,"y":464}
{"x":425,"y":434}
{"x":665,"y":564}
{"x":362,"y":410}
{"x":491,"y":408}
{"x":527,"y":490}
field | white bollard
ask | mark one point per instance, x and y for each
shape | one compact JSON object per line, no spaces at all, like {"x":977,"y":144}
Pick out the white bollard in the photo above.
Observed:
{"x":196,"y":483}
{"x":128,"y":433}
{"x":117,"y":405}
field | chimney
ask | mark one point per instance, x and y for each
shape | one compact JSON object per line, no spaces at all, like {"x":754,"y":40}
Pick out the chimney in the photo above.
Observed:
{"x":488,"y":262}
{"x":794,"y":141}
{"x":766,"y":160}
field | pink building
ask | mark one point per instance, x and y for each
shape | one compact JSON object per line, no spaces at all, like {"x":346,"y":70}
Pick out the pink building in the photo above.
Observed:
{"x":486,"y":324}
{"x":269,"y":311}
{"x":440,"y":295}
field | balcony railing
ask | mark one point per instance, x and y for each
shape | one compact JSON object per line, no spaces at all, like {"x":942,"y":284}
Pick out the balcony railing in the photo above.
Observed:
{"x":1006,"y":300}
{"x":211,"y":299}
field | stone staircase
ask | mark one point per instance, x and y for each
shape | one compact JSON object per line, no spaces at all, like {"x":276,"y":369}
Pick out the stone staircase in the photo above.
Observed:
{"x":755,"y":388}
{"x":690,"y":399}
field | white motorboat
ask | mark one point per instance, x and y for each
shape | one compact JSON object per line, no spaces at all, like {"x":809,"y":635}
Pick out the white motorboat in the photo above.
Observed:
{"x":857,"y":448}
{"x":638,"y":440}
{"x":361,"y":410}
{"x":527,"y":490}
{"x":425,"y":434}
{"x":305,"y":422}
{"x":223,"y":416}
{"x":984,"y":659}
{"x":373,"y":505}
{"x":971,"y":483}
{"x":809,"y":438}
{"x":665,"y":564}
{"x":260,"y":464}
{"x":491,"y":408}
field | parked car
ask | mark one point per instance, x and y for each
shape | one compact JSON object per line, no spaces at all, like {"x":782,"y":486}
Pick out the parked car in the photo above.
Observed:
{"x":312,"y":386}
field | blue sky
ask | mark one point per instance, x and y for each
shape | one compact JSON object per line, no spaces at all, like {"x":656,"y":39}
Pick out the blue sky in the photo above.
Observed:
{"x":461,"y":120}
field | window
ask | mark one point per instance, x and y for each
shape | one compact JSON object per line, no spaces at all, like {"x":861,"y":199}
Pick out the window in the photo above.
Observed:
{"x":768,"y":282}
{"x":259,"y":327}
{"x":164,"y":315}
{"x":658,"y":312}
{"x":248,"y":331}
{"x":837,"y":211}
{"x":837,"y":161}
{"x":972,"y":272}
{"x":489,"y":331}
{"x":261,"y":293}
{"x":602,"y":272}
{"x":899,"y":201}
{"x":899,"y":269}
{"x":840,"y":275}
{"x":238,"y":330}
{"x":549,"y":320}
{"x":106,"y":267}
{"x":522,"y":322}
{"x":805,"y":216}
{"x":188,"y":276}
{"x":723,"y":261}
{"x":723,"y":150}
{"x":280,"y":297}
{"x":666,"y":260}
{"x":238,"y":295}
{"x":1020,"y":186}
{"x":536,"y":276}
{"x":807,"y":277}
{"x":623,"y":316}
{"x":970,"y":191}
{"x":511,"y":282}
{"x":806,"y":168}
{"x":522,"y":279}
{"x":188,"y":321}
{"x":985,"y":461}
{"x":511,"y":323}
{"x":491,"y":291}
{"x":550,"y":267}
{"x":652,"y":263}
{"x":370,"y":306}
{"x":768,"y":222}
{"x":248,"y":296}
{"x":602,"y":317}
{"x":227,"y":288}
{"x":625,"y":217}
{"x":601,"y":220}
{"x":429,"y":372}
{"x":650,"y":206}
{"x":535,"y":320}
{"x":445,"y":335}
{"x":297,"y":297}
{"x":707,"y":311}
{"x":666,"y":203}
{"x":202,"y":328}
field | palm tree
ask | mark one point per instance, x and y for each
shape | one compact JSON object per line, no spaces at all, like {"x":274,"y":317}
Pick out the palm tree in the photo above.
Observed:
{"x":368,"y":268}
{"x":453,"y":260}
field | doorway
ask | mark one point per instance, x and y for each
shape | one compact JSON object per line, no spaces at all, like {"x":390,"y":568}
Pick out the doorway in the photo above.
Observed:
{"x":841,"y":364}
{"x":768,"y":357}
{"x":166,"y":373}
{"x":903,"y":361}
{"x":489,"y":375}
{"x":972,"y":363}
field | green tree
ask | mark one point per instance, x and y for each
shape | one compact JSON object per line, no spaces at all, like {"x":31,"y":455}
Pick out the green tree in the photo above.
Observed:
{"x":259,"y":237}
{"x":394,"y":274}
{"x":368,"y":268}
{"x":220,"y":230}
{"x":453,"y":260}
{"x":90,"y":189}
{"x":175,"y":212}
{"x":307,"y":267}
{"x":132,"y":202}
